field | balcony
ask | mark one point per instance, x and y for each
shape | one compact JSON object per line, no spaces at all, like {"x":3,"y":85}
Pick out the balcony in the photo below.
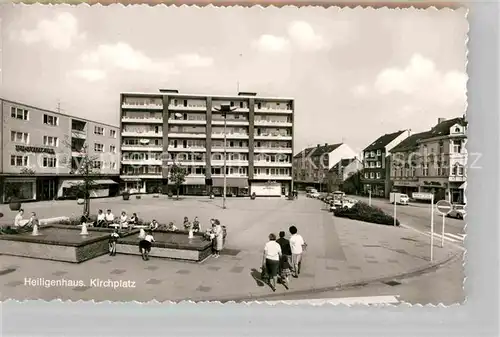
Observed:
{"x":272,"y":177}
{"x":233,"y":108}
{"x":272,"y":137}
{"x":78,"y":134}
{"x":178,"y":134}
{"x":264,"y":109}
{"x":130,"y":176}
{"x":220,"y":163}
{"x":187,"y":121}
{"x":184,"y":162}
{"x":264,"y":122}
{"x":141,"y":162}
{"x":142,"y":134}
{"x":142,"y":106}
{"x":172,"y":148}
{"x":232,"y":122}
{"x":189,"y":107}
{"x":230,"y":149}
{"x":230,"y":135}
{"x":273,"y":150}
{"x":142,"y":120}
{"x":142,"y":148}
{"x":271,"y":164}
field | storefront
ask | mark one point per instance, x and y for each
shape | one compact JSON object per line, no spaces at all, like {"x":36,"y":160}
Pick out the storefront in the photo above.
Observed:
{"x":69,"y":188}
{"x":237,"y":187}
{"x":46,"y":188}
{"x":406,"y":187}
{"x":269,"y":188}
{"x":20,"y":188}
{"x":133,"y":185}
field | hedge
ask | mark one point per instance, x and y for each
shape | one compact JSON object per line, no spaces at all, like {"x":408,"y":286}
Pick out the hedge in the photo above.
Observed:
{"x":364,"y":212}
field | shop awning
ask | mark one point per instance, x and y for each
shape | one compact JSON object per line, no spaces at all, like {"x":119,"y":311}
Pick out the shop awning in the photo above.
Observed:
{"x":463,"y":186}
{"x":105,"y":182}
{"x":129,"y":180}
{"x":231,"y":182}
{"x":71,"y":183}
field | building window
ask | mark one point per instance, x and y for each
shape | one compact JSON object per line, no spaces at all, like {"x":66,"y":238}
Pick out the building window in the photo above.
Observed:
{"x":50,"y":120}
{"x":458,"y":170}
{"x":379,"y":164}
{"x":366,"y":175}
{"x":457,"y":146}
{"x":98,"y":130}
{"x":461,"y":170}
{"x":49,"y":162}
{"x":372,"y":175}
{"x":112,"y":149}
{"x":372,"y":154}
{"x":379,"y":152}
{"x":412,"y":171}
{"x":98,"y":147}
{"x":18,"y":113}
{"x":112,"y":165}
{"x":378,"y":175}
{"x":97,"y":164}
{"x":425,"y":170}
{"x":50,"y":141}
{"x":19,"y":137}
{"x":18,"y":160}
{"x":112,"y":133}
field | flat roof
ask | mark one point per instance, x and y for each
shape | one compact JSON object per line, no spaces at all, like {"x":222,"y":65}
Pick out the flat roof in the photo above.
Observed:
{"x":235,"y":97}
{"x":57,"y":113}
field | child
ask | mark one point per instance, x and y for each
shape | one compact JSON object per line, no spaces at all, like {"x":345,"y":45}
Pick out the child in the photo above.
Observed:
{"x":196,"y":225}
{"x":145,"y":245}
{"x":154,"y":225}
{"x":171,"y":227}
{"x":112,"y":242}
{"x":186,"y":223}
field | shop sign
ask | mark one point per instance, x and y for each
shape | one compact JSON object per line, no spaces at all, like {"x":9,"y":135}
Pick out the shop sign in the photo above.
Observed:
{"x":34,"y":149}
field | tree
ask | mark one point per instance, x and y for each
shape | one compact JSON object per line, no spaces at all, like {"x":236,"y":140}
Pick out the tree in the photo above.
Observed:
{"x":83,"y":165}
{"x":177,"y":176}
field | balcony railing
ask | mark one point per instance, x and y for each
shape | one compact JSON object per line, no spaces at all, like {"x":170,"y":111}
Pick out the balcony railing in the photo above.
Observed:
{"x":141,"y":134}
{"x":271,"y":164}
{"x":187,"y":121}
{"x":272,"y":177}
{"x":130,"y":161}
{"x":187,"y":149}
{"x":272,"y":122}
{"x":78,"y":134}
{"x":230,"y":135}
{"x":273,"y":136}
{"x":189,"y":107}
{"x":180,"y":134}
{"x":243,"y":149}
{"x":142,"y":120}
{"x":134,"y":105}
{"x":264,"y":109}
{"x":273,"y":150}
{"x":129,"y":175}
{"x":241,"y":122}
{"x":229,"y":162}
{"x":144,"y":148}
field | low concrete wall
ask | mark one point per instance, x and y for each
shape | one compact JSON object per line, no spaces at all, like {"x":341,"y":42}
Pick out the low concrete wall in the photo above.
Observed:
{"x":54,"y":221}
{"x":169,"y":253}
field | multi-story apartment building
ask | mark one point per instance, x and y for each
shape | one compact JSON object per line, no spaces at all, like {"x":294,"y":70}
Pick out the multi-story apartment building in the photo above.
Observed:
{"x":435,"y":161}
{"x":40,"y":151}
{"x":311,"y":166}
{"x":376,"y":163}
{"x":341,"y":172}
{"x":160,"y":129}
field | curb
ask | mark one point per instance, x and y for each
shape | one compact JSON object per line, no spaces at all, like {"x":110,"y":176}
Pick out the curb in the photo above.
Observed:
{"x":338,"y":287}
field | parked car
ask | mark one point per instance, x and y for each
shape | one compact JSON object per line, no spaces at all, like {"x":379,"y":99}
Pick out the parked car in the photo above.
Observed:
{"x":457,"y":212}
{"x":399,"y":198}
{"x":314,"y":194}
{"x":344,"y":203}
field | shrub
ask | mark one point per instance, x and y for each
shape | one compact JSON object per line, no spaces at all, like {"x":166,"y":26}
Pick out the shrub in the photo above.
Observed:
{"x":364,"y":212}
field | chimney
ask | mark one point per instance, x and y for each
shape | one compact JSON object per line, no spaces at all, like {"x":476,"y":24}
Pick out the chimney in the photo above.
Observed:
{"x":441,"y":120}
{"x":409,"y":132}
{"x":326,"y":144}
{"x":317,"y":146}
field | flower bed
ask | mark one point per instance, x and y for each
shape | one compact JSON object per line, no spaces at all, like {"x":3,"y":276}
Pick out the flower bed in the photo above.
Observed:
{"x":364,"y":212}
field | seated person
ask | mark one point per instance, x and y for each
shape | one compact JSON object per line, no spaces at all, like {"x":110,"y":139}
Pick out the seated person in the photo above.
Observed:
{"x":19,"y":222}
{"x":154,"y":225}
{"x":101,"y":219}
{"x":171,"y":227}
{"x":123,"y":220}
{"x":85,"y":219}
{"x":109,"y":217}
{"x":134,"y":220}
{"x":186,"y":223}
{"x":33,"y":220}
{"x":196,"y":225}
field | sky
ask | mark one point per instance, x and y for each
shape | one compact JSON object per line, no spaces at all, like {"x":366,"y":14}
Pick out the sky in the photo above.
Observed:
{"x":355,"y":74}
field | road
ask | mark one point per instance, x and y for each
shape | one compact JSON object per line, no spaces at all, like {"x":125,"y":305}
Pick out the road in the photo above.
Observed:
{"x":444,"y":285}
{"x":418,"y":216}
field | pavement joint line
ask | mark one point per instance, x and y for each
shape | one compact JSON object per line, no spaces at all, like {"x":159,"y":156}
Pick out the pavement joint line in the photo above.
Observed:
{"x":428,"y":235}
{"x":338,"y":287}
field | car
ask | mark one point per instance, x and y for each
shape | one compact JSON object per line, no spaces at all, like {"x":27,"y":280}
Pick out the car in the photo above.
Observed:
{"x":344,"y":203}
{"x":457,"y":212}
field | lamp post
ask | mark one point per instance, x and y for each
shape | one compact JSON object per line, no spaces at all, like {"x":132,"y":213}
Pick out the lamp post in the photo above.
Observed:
{"x":224,"y":109}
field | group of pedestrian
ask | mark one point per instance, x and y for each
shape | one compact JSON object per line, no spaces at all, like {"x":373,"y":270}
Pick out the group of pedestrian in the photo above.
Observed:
{"x":282,"y":257}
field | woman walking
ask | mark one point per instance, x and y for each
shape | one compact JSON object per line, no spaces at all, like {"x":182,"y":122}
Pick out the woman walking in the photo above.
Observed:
{"x":271,"y":260}
{"x":219,"y":238}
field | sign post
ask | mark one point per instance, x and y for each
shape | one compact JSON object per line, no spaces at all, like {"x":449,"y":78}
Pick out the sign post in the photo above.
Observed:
{"x":444,"y":207}
{"x":395,"y":220}
{"x":432,"y":227}
{"x":369,"y":197}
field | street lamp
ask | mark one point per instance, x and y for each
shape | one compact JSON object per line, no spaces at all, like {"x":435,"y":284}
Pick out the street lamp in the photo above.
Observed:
{"x":224,"y":109}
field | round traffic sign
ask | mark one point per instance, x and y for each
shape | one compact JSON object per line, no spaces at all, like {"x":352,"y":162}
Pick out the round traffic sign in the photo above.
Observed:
{"x":444,"y":207}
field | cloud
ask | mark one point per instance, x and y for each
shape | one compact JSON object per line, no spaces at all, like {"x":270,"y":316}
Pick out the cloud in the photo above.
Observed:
{"x":194,"y":61}
{"x":271,"y":43}
{"x":90,"y":75}
{"x":303,"y":35}
{"x":59,"y":33}
{"x":422,"y":80}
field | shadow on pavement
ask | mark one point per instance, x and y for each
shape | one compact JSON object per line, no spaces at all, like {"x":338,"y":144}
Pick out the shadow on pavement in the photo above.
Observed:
{"x":256,"y":275}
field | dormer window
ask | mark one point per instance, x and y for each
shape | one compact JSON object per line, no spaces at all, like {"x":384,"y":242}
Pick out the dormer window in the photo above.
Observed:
{"x":457,"y":130}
